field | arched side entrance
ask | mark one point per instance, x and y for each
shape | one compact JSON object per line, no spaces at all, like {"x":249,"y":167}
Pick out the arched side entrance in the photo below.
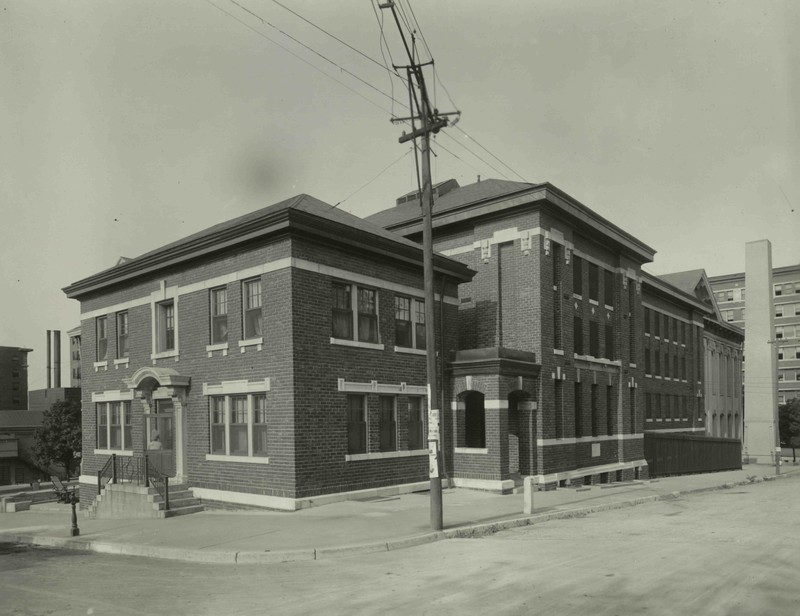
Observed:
{"x":162,"y":393}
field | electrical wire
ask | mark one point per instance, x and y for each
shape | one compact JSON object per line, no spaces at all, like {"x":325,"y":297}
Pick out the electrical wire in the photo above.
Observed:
{"x":490,"y":153}
{"x":384,"y":170}
{"x":316,"y":68}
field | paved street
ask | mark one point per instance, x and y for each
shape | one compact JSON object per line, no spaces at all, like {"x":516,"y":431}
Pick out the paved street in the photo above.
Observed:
{"x":724,"y":552}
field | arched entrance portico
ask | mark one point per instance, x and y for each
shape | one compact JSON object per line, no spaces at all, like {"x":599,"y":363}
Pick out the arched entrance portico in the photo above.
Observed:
{"x":162,"y":393}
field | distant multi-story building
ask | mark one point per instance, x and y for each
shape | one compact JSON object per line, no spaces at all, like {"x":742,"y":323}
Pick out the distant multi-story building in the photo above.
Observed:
{"x":75,"y":356}
{"x":730,"y":295}
{"x":13,"y":378}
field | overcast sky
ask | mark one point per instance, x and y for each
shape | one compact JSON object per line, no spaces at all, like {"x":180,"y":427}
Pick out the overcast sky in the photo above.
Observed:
{"x":128,"y":124}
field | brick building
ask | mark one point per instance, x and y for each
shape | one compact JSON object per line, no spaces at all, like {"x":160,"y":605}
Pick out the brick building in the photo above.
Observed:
{"x":730,"y":291}
{"x":270,"y":360}
{"x":568,"y":351}
{"x":74,"y":336}
{"x":13,"y":378}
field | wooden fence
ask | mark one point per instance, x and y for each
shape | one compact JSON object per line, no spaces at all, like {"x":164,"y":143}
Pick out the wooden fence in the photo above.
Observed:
{"x":684,"y":454}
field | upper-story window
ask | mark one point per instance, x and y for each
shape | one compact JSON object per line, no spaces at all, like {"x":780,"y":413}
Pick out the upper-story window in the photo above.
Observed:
{"x":251,"y":307}
{"x":594,"y":282}
{"x":102,"y":338}
{"x":729,"y":295}
{"x":355,"y":315}
{"x":122,"y":335}
{"x":165,"y":326}
{"x":219,"y":315}
{"x":608,"y":287}
{"x":409,"y":319}
{"x":577,"y":275}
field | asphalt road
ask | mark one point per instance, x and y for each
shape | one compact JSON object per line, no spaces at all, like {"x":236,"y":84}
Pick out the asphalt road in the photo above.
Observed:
{"x":727,"y":552}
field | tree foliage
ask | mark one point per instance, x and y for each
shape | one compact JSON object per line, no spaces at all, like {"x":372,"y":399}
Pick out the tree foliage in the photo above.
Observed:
{"x":789,"y":423}
{"x":58,"y":439}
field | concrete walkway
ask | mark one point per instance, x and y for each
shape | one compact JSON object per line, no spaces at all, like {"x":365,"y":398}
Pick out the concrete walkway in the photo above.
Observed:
{"x":349,"y":527}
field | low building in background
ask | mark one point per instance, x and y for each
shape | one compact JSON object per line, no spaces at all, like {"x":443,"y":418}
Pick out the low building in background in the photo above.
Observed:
{"x":17,"y":462}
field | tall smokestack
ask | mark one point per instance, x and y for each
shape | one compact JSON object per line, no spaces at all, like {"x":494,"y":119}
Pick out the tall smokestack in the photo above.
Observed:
{"x":57,"y":357}
{"x":49,"y":367}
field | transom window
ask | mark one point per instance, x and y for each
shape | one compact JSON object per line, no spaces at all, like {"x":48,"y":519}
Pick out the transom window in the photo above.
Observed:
{"x":251,"y":306}
{"x":355,"y":315}
{"x":409,"y":319}
{"x":114,"y":426}
{"x":238,"y":425}
{"x":219,"y":315}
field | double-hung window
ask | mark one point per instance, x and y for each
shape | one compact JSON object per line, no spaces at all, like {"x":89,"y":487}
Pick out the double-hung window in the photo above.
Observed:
{"x":416,"y":423}
{"x":114,"y":426}
{"x":122,"y":335}
{"x":356,"y":424}
{"x":355,"y":312}
{"x":238,"y":425}
{"x":219,"y":315}
{"x":165,"y":326}
{"x":388,"y":424}
{"x":251,"y":306}
{"x":102,"y":338}
{"x":409,"y":319}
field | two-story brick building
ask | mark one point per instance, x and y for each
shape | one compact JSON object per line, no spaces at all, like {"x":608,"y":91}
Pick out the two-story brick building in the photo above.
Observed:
{"x":270,"y":360}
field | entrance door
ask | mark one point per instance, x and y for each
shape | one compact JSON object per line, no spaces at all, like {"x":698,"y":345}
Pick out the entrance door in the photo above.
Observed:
{"x":161,"y":432}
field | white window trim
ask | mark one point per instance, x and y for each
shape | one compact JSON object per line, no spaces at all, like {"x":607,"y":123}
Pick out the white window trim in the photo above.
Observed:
{"x":410,"y":351}
{"x":256,"y":342}
{"x":383,"y":455}
{"x":107,"y":399}
{"x":222,"y":346}
{"x":361,"y":344}
{"x":472,"y":450}
{"x":164,"y":294}
{"x":250,"y":458}
{"x":413,"y":320}
{"x":357,"y":344}
{"x":211,"y":306}
{"x":243,"y":287}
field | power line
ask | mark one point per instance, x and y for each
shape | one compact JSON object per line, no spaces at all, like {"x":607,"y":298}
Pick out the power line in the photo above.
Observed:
{"x":316,"y":68}
{"x":384,"y":170}
{"x":490,"y":154}
{"x":312,"y":50}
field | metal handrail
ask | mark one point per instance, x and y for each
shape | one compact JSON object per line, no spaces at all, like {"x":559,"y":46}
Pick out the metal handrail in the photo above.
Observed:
{"x":135,"y":469}
{"x":158,"y":480}
{"x":109,"y":470}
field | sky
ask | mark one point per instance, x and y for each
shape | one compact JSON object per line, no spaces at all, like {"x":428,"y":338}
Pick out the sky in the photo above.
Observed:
{"x":128,"y":124}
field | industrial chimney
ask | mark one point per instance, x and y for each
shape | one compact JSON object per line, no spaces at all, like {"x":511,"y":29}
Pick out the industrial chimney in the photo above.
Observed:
{"x":57,"y":357}
{"x":49,"y":366}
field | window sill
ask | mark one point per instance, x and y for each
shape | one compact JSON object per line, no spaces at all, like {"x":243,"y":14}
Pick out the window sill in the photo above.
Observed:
{"x":632,"y":365}
{"x":594,"y":302}
{"x":558,"y":351}
{"x":251,"y":342}
{"x":383,"y":455}
{"x":577,"y":296}
{"x":357,"y":344}
{"x":473,"y":450}
{"x":100,"y":364}
{"x":609,"y":307}
{"x":123,"y":362}
{"x":244,"y":459}
{"x":410,"y":351}
{"x":108,"y":452}
{"x":164,"y":354}
{"x":222,"y":346}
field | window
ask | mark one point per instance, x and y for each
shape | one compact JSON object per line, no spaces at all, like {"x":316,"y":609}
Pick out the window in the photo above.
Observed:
{"x":122,"y":335}
{"x":578,"y":411}
{"x":610,"y":409}
{"x":608,"y":287}
{"x":647,"y":361}
{"x":260,"y":425}
{"x":577,"y":275}
{"x":416,"y":424}
{"x":361,"y":319}
{"x":778,"y":290}
{"x":114,"y":426}
{"x":409,"y":322}
{"x":594,"y":282}
{"x":577,"y":328}
{"x":219,"y":315}
{"x":238,"y":425}
{"x":729,"y":295}
{"x":102,"y":338}
{"x":251,"y":306}
{"x":720,"y":296}
{"x":610,"y":342}
{"x":165,"y":326}
{"x":594,"y":339}
{"x":779,"y":333}
{"x":656,"y":324}
{"x":387,"y":424}
{"x":595,"y":411}
{"x":356,"y":424}
{"x":646,"y":320}
{"x":559,"y":410}
{"x":674,"y":330}
{"x":778,"y":311}
{"x":657,"y":358}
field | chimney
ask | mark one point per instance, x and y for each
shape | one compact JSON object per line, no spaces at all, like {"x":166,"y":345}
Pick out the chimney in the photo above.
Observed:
{"x":57,"y":357}
{"x":49,"y":368}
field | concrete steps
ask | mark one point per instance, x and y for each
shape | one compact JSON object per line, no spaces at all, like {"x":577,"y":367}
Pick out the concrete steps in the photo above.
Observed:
{"x":125,"y":500}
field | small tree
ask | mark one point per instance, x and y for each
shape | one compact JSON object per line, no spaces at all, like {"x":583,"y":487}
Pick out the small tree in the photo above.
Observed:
{"x":789,"y":425}
{"x":58,"y":439}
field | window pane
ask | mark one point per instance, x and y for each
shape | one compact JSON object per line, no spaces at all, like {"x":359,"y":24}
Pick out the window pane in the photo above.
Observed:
{"x":127,"y":438}
{"x":217,"y":425}
{"x":219,"y":316}
{"x":252,"y":312}
{"x":102,"y":426}
{"x":415,"y":424}
{"x":342,"y":311}
{"x":419,"y":327}
{"x":259,"y":425}
{"x":238,"y":426}
{"x":356,"y":425}
{"x":402,"y":323}
{"x":122,"y":334}
{"x":388,"y":428}
{"x":102,"y":339}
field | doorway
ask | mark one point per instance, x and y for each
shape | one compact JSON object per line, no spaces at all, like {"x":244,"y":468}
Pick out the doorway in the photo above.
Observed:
{"x":160,"y":432}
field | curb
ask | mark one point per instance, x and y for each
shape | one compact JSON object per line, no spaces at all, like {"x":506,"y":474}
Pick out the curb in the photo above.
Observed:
{"x":283,"y":556}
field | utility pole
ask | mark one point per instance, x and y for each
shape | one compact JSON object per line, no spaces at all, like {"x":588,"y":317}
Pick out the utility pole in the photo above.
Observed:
{"x":778,"y":451}
{"x":431,"y":122}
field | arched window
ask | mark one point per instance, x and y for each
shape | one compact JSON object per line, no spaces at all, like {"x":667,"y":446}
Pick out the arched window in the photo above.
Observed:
{"x":474,"y":420}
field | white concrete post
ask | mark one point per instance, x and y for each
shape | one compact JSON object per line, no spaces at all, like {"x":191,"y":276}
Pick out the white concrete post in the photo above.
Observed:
{"x":529,"y":489}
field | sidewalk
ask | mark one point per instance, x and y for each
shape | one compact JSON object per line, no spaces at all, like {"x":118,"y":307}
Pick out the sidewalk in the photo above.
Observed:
{"x":378,"y":524}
